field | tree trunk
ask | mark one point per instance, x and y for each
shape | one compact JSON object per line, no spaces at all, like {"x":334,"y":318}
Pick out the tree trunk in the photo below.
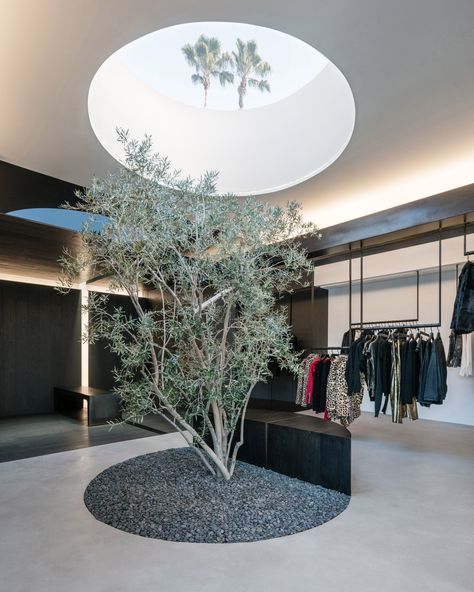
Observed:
{"x":241,"y":89}
{"x":205,"y":95}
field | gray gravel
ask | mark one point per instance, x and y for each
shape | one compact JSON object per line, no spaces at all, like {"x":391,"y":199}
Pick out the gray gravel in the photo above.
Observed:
{"x":169,"y":495}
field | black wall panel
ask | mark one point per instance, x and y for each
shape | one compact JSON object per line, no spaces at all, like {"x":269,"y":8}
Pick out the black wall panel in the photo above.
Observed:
{"x":308,"y":316}
{"x":40,"y":346}
{"x":101,"y":360}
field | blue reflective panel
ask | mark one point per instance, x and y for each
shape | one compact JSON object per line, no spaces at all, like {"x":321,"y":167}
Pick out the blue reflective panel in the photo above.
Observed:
{"x":69,"y":219}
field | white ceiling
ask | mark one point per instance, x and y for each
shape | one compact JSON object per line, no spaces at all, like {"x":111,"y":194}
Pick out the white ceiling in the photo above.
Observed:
{"x":409,"y":63}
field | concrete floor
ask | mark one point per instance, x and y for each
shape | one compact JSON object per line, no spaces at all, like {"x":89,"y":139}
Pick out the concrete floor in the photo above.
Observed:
{"x":409,"y":527}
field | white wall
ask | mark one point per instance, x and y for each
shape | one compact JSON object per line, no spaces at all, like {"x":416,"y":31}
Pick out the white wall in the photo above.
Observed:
{"x":388,"y":298}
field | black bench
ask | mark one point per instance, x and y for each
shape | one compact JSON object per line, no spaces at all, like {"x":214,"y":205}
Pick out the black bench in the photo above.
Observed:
{"x":102,"y":405}
{"x":299,"y":445}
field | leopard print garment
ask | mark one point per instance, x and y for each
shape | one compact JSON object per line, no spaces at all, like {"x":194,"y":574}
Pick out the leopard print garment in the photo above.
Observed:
{"x":342,"y":407}
{"x":302,"y":383}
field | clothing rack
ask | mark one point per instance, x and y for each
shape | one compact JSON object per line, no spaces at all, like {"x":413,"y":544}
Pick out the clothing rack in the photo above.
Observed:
{"x":396,"y":325}
{"x":317,"y":349}
{"x":404,"y":324}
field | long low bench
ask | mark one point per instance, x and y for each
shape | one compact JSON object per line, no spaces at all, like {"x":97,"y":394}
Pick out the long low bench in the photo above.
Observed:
{"x":102,"y":405}
{"x":299,"y":445}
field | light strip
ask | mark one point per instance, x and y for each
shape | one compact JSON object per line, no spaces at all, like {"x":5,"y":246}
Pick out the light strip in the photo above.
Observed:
{"x":84,"y":329}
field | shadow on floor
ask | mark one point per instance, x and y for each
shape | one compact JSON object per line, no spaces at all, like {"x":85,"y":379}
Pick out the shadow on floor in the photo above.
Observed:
{"x":36,"y":435}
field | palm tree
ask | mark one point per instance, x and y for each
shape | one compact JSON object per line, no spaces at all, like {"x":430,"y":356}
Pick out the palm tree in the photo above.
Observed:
{"x":250,"y":69}
{"x":206,"y":58}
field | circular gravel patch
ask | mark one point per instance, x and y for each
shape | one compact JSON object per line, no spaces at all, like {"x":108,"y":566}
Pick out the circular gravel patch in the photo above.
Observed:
{"x":169,"y":495}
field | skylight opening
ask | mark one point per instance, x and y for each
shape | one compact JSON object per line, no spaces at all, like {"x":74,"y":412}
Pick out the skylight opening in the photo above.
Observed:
{"x":160,"y":61}
{"x":266,"y":111}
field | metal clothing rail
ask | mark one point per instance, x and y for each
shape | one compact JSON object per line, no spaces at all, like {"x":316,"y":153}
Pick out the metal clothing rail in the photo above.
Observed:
{"x":326,"y":348}
{"x":393,"y":324}
{"x":396,"y":325}
{"x":466,"y":252}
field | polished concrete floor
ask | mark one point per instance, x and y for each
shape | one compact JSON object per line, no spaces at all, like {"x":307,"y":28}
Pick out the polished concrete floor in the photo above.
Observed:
{"x":409,"y":526}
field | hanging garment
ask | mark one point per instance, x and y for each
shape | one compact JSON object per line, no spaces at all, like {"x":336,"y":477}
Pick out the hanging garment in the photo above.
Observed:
{"x":380,"y":351}
{"x":466,"y":361}
{"x":355,"y":363}
{"x":303,"y":380}
{"x":370,"y":370}
{"x":340,"y":406}
{"x":395,"y":401}
{"x":404,"y":385}
{"x":454,"y":350}
{"x":319,"y":394}
{"x":433,"y":376}
{"x":347,"y":339}
{"x":463,"y":313}
{"x":308,"y":398}
{"x":410,"y":371}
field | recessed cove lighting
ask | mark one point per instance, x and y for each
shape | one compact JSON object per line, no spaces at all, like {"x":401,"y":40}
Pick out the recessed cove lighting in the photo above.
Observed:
{"x":263,"y":108}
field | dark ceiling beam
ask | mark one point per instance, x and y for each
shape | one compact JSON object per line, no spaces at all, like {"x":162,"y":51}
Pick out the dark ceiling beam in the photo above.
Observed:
{"x":416,"y":213}
{"x":32,"y":250}
{"x":21,"y":189}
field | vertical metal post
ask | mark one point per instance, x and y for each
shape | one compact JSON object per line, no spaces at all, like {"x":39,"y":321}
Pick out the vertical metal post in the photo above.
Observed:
{"x":466,"y":252}
{"x":439,"y":270}
{"x":417,"y":295}
{"x":313,"y":342}
{"x":84,"y":330}
{"x":361,"y":285}
{"x":350,"y":294}
{"x":465,"y":234}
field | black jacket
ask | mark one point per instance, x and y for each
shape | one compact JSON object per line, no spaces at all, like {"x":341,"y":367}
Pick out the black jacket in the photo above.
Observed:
{"x":463,"y":313}
{"x":410,"y":371}
{"x":433,"y":378}
{"x":355,"y":365}
{"x":382,"y":357}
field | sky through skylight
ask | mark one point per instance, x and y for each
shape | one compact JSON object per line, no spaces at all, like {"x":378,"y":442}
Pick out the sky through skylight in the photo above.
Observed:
{"x":157,"y":59}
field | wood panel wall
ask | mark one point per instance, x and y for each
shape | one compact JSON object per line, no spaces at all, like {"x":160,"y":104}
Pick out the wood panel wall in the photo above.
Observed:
{"x":39,"y":346}
{"x":101,"y":360}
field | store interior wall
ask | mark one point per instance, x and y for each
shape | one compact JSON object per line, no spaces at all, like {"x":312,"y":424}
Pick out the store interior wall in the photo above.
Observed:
{"x":394,"y":297}
{"x":102,"y":360}
{"x":40,"y":346}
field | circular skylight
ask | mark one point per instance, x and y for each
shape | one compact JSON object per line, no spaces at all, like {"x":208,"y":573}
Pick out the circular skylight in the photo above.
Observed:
{"x":264,"y":109}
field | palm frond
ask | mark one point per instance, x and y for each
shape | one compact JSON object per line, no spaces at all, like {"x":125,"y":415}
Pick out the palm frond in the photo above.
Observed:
{"x":261,"y":85}
{"x":189,"y":54}
{"x":226,"y":60}
{"x":226,"y":77}
{"x":262,"y":69}
{"x":197,"y":79}
{"x":251,"y":47}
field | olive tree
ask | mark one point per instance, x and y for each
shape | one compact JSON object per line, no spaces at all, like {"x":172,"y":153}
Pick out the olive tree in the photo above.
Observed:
{"x":215,"y":266}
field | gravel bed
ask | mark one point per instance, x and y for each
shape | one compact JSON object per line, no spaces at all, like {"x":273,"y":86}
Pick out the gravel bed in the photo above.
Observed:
{"x":169,"y":495}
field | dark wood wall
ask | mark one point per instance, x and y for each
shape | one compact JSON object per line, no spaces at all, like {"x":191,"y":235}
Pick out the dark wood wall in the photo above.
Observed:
{"x":39,"y":346}
{"x":101,"y":360}
{"x":308,"y":316}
